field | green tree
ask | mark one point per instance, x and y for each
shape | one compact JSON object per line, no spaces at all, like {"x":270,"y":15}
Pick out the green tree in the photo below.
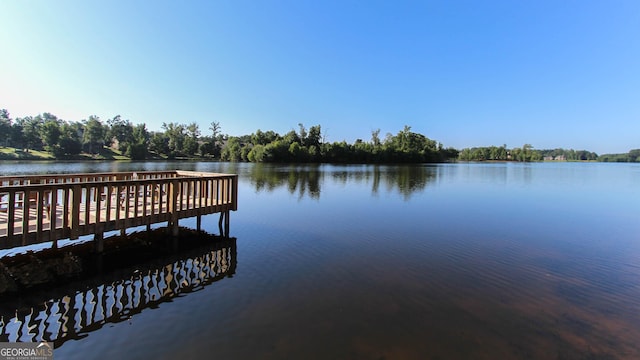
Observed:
{"x":515,"y":154}
{"x":190,"y":145}
{"x":5,"y":126}
{"x":193,"y":130}
{"x":122,"y":131}
{"x":159,"y":143}
{"x":526,"y":152}
{"x":291,"y":137}
{"x":141,"y":134}
{"x":302,"y":133}
{"x":50,"y":131}
{"x":94,"y":134}
{"x":207,"y":147}
{"x":264,"y":138}
{"x":215,"y":133}
{"x":465,"y":155}
{"x":375,"y":137}
{"x":138,"y":148}
{"x":314,"y":136}
{"x":277,"y":151}
{"x":31,"y":132}
{"x":70,"y":141}
{"x":480,"y":154}
{"x":257,"y":153}
{"x":215,"y":129}
{"x":176,"y":134}
{"x":232,"y":151}
{"x":16,"y":135}
{"x":136,"y":151}
{"x":297,"y":152}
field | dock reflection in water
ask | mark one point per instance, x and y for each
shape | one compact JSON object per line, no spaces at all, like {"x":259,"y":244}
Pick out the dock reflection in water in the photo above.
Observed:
{"x":75,"y":315}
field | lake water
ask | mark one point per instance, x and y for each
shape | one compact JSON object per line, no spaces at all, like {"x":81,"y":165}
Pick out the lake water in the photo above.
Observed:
{"x":455,"y":261}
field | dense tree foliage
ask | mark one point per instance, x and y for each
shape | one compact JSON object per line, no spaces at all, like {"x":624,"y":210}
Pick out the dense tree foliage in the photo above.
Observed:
{"x":94,"y":135}
{"x":631,"y":156}
{"x":569,"y":155}
{"x":525,"y":153}
{"x":308,"y":146}
{"x":5,"y":127}
{"x":67,"y":138}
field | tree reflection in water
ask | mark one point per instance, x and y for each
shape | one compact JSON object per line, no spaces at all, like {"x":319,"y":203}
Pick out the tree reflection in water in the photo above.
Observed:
{"x":307,"y":180}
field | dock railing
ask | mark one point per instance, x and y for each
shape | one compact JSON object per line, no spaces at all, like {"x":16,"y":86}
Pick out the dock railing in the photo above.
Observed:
{"x":41,"y":208}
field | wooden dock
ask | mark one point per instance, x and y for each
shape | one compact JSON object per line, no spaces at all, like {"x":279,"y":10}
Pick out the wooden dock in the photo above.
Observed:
{"x":43,"y":208}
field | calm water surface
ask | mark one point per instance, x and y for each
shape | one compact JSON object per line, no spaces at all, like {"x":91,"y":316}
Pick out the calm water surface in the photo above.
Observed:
{"x":460,"y":261}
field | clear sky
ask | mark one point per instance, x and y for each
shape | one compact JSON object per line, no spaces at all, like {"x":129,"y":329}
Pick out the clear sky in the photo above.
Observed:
{"x":556,"y":73}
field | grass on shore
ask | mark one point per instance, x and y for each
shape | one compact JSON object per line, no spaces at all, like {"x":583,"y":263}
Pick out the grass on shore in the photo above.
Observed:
{"x":9,"y":153}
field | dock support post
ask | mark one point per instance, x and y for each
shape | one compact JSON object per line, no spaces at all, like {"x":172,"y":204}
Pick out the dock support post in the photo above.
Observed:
{"x":199,"y":223}
{"x":98,"y":240}
{"x":226,"y":223}
{"x":224,"y":216}
{"x":220,"y":224}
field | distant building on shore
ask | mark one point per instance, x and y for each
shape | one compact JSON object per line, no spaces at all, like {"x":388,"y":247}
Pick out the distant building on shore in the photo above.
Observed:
{"x":555,"y":158}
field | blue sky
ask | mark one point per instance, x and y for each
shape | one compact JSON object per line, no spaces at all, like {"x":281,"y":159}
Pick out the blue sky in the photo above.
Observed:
{"x":465,"y":73}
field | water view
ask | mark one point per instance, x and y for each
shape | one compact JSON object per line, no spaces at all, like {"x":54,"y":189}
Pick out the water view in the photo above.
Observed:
{"x":453,"y":261}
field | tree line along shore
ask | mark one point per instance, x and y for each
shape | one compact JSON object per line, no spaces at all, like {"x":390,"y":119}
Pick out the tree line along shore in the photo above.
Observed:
{"x":45,"y":136}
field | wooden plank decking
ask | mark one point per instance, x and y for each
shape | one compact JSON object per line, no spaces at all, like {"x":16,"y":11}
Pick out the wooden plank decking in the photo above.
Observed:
{"x":55,"y":207}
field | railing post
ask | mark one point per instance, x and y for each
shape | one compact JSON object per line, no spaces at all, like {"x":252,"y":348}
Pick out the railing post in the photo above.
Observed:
{"x":108,"y":202}
{"x":53,"y":217}
{"x":25,"y":218}
{"x":173,"y":206}
{"x":39,"y":215}
{"x":235,"y":193}
{"x":225,"y":191}
{"x":11,"y":212}
{"x":87,"y":205}
{"x":75,"y":212}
